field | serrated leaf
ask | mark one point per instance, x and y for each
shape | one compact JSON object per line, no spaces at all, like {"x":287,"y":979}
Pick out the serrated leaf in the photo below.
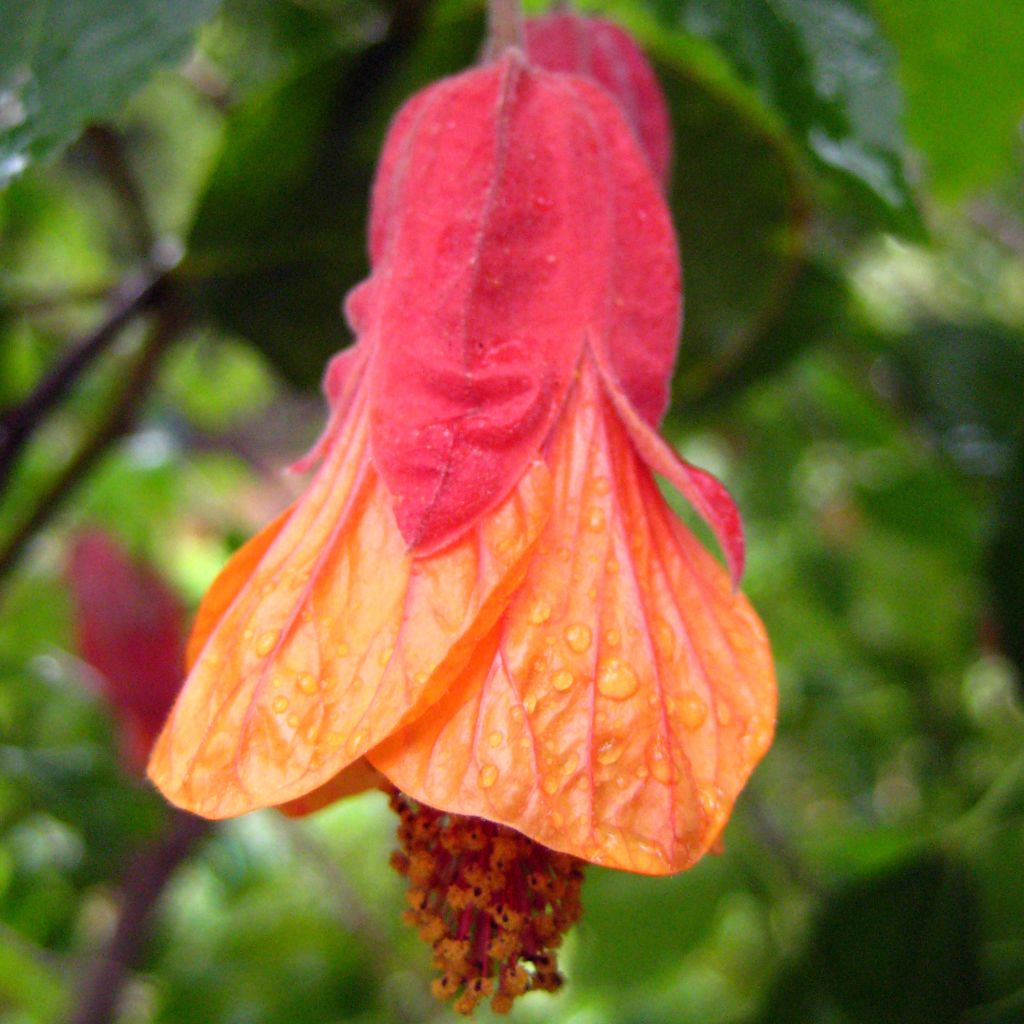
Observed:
{"x":64,"y":64}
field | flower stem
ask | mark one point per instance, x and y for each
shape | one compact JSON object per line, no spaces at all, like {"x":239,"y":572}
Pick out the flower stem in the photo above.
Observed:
{"x":505,"y":26}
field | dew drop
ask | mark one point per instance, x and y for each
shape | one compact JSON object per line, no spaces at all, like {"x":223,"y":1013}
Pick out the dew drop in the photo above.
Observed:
{"x":496,"y":738}
{"x":563,"y":679}
{"x":612,"y":638}
{"x":385,"y":656}
{"x":516,"y":714}
{"x":609,"y":751}
{"x":660,"y":765}
{"x":570,"y":764}
{"x":540,"y":613}
{"x":723,"y":713}
{"x":557,"y":819}
{"x":550,"y":785}
{"x":602,"y":485}
{"x":280,"y":705}
{"x":488,"y":776}
{"x":307,"y":683}
{"x":293,"y":720}
{"x":595,"y":520}
{"x":642,"y":772}
{"x":311,"y":732}
{"x":530,"y":703}
{"x":710,"y":797}
{"x":276,"y":682}
{"x":664,"y":639}
{"x":578,"y":637}
{"x":692,"y":711}
{"x":616,"y":680}
{"x":343,"y":650}
{"x":357,"y":740}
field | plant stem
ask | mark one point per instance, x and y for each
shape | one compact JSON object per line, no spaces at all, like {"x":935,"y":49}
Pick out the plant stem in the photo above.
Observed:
{"x":505,"y":26}
{"x":118,"y":420}
{"x":133,"y":296}
{"x":143,"y":885}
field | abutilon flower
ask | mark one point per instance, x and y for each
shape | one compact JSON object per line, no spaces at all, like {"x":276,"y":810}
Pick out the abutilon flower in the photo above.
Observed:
{"x":483,"y":602}
{"x":130,"y":628}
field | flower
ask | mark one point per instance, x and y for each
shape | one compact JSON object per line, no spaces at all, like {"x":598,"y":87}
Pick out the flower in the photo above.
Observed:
{"x":130,"y":628}
{"x":483,"y":600}
{"x":602,"y":51}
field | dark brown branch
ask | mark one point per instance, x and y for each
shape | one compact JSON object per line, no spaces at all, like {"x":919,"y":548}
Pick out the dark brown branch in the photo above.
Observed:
{"x":108,"y":147}
{"x":115,"y":424}
{"x":143,"y":885}
{"x":135,"y":295}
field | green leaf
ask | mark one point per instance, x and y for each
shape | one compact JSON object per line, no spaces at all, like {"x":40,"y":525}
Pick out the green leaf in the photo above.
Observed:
{"x":899,"y":947}
{"x":963,"y":381}
{"x":1006,"y":560}
{"x":961,"y":66}
{"x":64,"y":64}
{"x":826,"y":68}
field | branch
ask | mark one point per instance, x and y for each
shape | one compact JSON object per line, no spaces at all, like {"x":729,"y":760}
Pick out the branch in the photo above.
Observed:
{"x":143,"y":885}
{"x":132,"y":297}
{"x":115,"y":424}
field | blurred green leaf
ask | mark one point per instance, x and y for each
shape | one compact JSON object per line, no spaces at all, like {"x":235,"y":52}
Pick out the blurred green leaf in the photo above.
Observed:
{"x":1006,"y":561}
{"x":64,"y":64}
{"x":899,"y":947}
{"x":961,"y":66}
{"x":825,"y":67}
{"x":964,"y":381}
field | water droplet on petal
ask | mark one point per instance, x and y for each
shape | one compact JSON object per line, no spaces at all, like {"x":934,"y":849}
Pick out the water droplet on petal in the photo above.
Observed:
{"x":578,"y":637}
{"x":358,"y":740}
{"x":723,"y":713}
{"x":385,"y":656}
{"x":609,"y":751}
{"x":692,"y":711}
{"x":280,"y":705}
{"x":495,"y":739}
{"x":307,"y":683}
{"x":570,"y":764}
{"x":616,"y":679}
{"x":293,"y":720}
{"x":563,"y":679}
{"x":612,"y":638}
{"x":710,"y":797}
{"x":550,"y":785}
{"x":540,"y":613}
{"x":530,"y":703}
{"x":595,"y":520}
{"x":488,"y":776}
{"x":659,"y":763}
{"x":664,"y":639}
{"x":343,"y":650}
{"x":602,"y":485}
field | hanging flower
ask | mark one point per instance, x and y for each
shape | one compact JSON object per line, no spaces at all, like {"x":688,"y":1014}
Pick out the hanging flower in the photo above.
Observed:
{"x":600,"y":50}
{"x":130,"y":628}
{"x":483,"y":602}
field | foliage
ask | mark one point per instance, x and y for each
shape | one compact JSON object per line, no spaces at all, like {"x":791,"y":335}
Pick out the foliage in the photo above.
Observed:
{"x":847,"y":192}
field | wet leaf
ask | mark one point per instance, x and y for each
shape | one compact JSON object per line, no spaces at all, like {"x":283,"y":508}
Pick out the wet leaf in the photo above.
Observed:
{"x":64,"y":64}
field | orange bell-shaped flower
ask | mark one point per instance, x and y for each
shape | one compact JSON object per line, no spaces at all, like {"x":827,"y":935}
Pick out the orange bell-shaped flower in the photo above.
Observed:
{"x":483,"y":599}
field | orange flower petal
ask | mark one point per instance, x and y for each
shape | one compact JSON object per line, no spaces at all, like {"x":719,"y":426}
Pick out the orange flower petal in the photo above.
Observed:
{"x":329,"y":634}
{"x":619,"y":706}
{"x":228,"y":583}
{"x":356,"y":778}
